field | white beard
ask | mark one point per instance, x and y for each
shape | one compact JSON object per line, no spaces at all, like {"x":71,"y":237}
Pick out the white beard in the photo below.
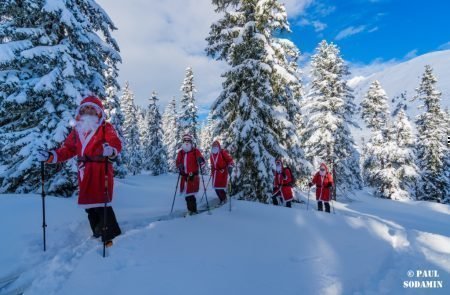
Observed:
{"x":87,"y":123}
{"x":322,"y":173}
{"x":187,"y":147}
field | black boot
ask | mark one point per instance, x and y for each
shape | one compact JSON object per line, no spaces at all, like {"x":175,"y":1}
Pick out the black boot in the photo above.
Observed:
{"x":289,"y":204}
{"x":112,"y":228}
{"x":191,"y":203}
{"x":94,"y":222}
{"x":319,"y":206}
{"x":222,"y":196}
{"x":275,"y":200}
{"x":327,"y":207}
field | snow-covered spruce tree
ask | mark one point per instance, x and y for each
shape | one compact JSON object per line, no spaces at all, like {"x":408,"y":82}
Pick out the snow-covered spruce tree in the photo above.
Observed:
{"x":375,"y":113}
{"x":330,"y":108}
{"x":432,"y":151}
{"x":287,"y":78}
{"x":52,"y":53}
{"x":115,"y":116}
{"x":171,"y":133}
{"x":403,"y":157}
{"x":188,"y":112}
{"x":155,"y":156}
{"x":206,"y":139}
{"x":131,"y":131}
{"x":251,"y":112}
{"x":143,"y":130}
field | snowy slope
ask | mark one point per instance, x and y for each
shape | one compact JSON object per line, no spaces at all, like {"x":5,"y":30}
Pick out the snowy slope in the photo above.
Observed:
{"x":405,"y":78}
{"x":367,"y":247}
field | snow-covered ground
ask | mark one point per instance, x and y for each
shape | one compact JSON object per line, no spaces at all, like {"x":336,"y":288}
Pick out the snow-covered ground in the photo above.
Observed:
{"x":367,"y":247}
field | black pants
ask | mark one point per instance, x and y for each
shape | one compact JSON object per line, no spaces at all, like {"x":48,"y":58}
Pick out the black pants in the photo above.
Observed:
{"x":96,"y":217}
{"x":221,"y":194}
{"x":191,"y":203}
{"x":275,"y":201}
{"x":320,"y":206}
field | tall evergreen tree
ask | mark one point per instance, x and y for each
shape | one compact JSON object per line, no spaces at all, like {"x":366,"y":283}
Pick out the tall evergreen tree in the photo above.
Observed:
{"x":188,"y":113}
{"x":404,"y":157}
{"x":330,"y":108}
{"x":432,"y":151}
{"x":375,"y":113}
{"x":155,"y":156}
{"x":115,"y":116}
{"x":131,"y":131}
{"x":251,"y":113}
{"x":207,"y":138}
{"x":52,"y":53}
{"x":171,"y":134}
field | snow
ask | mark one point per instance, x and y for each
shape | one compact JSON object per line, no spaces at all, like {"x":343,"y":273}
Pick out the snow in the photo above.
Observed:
{"x":405,"y":77}
{"x":367,"y":247}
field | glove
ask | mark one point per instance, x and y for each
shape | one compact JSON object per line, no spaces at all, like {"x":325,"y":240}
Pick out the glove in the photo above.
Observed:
{"x":43,"y":156}
{"x":200,"y":160}
{"x":310,"y":184}
{"x":108,"y":151}
{"x":329,"y":184}
{"x":191,"y":177}
{"x":230,"y":169}
{"x":283,"y":174}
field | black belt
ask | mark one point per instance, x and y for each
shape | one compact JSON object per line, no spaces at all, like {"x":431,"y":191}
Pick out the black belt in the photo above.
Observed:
{"x":93,"y":159}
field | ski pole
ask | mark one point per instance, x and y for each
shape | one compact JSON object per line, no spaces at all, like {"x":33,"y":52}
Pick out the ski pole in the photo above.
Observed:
{"x":209,"y":180}
{"x":44,"y":225}
{"x":203,"y":181}
{"x":229,"y":190}
{"x":307,"y":204}
{"x":175,"y":194}
{"x":104,"y":208}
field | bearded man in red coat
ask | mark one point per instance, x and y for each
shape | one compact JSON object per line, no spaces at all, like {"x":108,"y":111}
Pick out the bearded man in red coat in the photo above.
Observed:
{"x":323,"y":180}
{"x":94,"y":142}
{"x":190,"y":162}
{"x":221,"y":166}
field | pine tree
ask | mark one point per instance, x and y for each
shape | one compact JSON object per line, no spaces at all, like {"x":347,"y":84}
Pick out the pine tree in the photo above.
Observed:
{"x":171,"y":134}
{"x":375,"y":113}
{"x":251,"y":113}
{"x":52,"y":54}
{"x":330,"y":108}
{"x":188,"y":116}
{"x":115,"y":116}
{"x":155,"y":156}
{"x":432,"y":151}
{"x":404,"y":157}
{"x":131,"y":131}
{"x":207,"y":139}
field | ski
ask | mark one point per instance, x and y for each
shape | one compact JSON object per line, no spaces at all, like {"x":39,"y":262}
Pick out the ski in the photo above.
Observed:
{"x":4,"y":281}
{"x":18,"y":290}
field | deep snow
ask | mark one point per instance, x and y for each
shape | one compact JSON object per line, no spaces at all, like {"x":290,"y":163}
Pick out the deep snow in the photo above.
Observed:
{"x":367,"y":247}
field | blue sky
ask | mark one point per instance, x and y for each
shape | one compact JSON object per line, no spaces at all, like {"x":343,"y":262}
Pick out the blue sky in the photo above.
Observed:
{"x":374,"y":30}
{"x":160,"y":39}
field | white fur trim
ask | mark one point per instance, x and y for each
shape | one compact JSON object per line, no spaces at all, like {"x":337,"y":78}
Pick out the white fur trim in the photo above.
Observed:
{"x":55,"y":157}
{"x":89,"y":206}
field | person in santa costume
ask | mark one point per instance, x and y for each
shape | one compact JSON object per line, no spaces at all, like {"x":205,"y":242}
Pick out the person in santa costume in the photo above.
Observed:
{"x":221,"y":166}
{"x":323,"y":180}
{"x":189,"y":163}
{"x":282,"y":184}
{"x":94,"y":142}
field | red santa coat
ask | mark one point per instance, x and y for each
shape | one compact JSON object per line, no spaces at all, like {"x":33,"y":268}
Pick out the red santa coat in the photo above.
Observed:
{"x":190,"y":165}
{"x":323,"y":185}
{"x":91,"y":174}
{"x":219,"y":164}
{"x":283,"y":185}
